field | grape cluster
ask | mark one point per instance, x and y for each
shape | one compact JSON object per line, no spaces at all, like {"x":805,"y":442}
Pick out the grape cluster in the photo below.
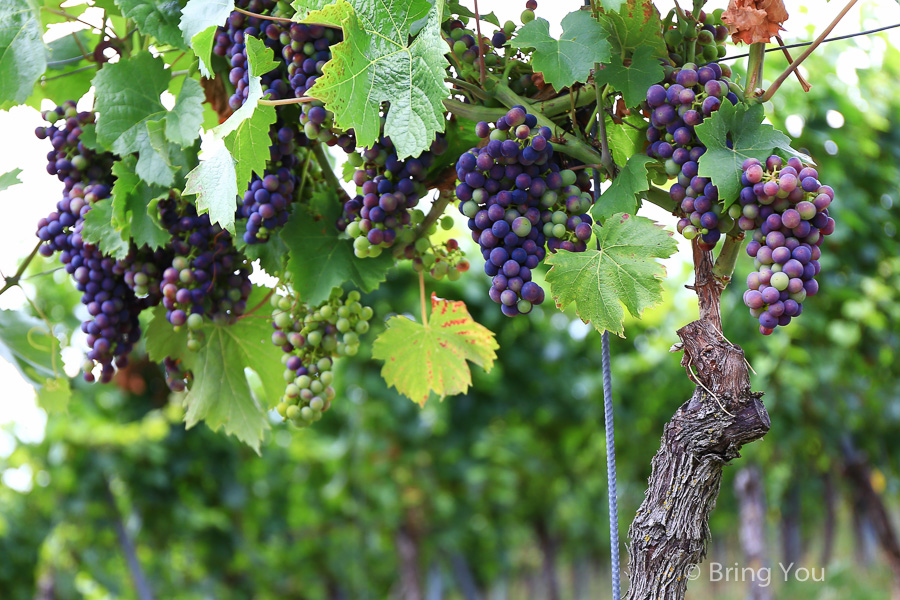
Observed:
{"x":113,"y":327}
{"x":389,"y":189}
{"x":312,"y":337}
{"x":786,"y":208}
{"x":685,"y":98}
{"x":267,"y":199}
{"x":709,"y":43}
{"x":207,"y":276}
{"x":230,"y":43}
{"x":516,"y":197}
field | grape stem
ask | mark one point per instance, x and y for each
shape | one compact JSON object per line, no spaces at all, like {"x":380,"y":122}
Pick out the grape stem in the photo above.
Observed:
{"x":787,"y":54}
{"x":754,"y":68}
{"x":465,"y":85}
{"x":659,"y":197}
{"x":796,"y":63}
{"x":422,"y":297}
{"x":606,"y":158}
{"x":328,"y":172}
{"x":480,"y":42}
{"x":724,"y":265}
{"x":473,"y":112}
{"x":437,"y":209}
{"x":572,"y":146}
{"x":13,"y":280}
{"x":280,"y":19}
{"x":300,"y":100}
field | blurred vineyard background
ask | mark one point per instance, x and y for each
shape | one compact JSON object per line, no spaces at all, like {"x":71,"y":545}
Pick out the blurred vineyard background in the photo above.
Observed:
{"x":502,"y":493}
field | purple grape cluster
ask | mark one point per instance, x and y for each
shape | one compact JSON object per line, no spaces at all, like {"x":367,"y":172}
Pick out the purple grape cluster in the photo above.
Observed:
{"x":311,"y":338}
{"x":516,"y":197}
{"x":686,"y":97}
{"x":786,"y":208}
{"x":207,"y":276}
{"x":113,"y":327}
{"x":267,"y":199}
{"x":230,"y":43}
{"x":388,"y":189}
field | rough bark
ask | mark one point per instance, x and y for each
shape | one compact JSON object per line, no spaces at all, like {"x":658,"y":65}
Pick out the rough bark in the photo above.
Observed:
{"x":408,"y":552}
{"x":858,"y":472}
{"x":670,"y":532}
{"x":748,"y":486}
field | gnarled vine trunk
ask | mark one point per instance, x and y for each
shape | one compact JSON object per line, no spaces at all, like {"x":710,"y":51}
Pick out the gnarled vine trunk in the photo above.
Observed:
{"x":670,"y":533}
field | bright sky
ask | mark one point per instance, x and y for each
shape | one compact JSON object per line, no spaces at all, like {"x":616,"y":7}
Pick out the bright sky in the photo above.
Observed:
{"x":37,"y":196}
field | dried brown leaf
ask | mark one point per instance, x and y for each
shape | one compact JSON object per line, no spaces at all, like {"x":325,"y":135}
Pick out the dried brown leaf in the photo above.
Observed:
{"x":752,"y":21}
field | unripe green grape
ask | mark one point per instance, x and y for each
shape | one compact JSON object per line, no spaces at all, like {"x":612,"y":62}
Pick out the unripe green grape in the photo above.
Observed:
{"x":327,"y":377}
{"x":491,"y":60}
{"x":353,"y":229}
{"x":735,"y":211}
{"x":281,"y":409}
{"x":453,"y":275}
{"x":283,"y":320}
{"x":375,"y":251}
{"x":292,"y":391}
{"x":317,"y":404}
{"x":673,"y":38}
{"x":704,"y":38}
{"x":558,"y":218}
{"x":447,"y":223}
{"x":366,"y":313}
{"x":710,"y":52}
{"x":303,"y":381}
{"x":307,"y":414}
{"x":355,"y":307}
{"x":342,"y":325}
{"x":329,"y":343}
{"x":361,"y":243}
{"x":548,"y":199}
{"x":343,"y":312}
{"x":195,"y":321}
{"x":351,"y":350}
{"x":527,"y":16}
{"x":470,"y":209}
{"x":350,"y":338}
{"x":355,"y":160}
{"x":416,"y":216}
{"x":457,"y":33}
{"x":568,"y":177}
{"x":439,"y":270}
{"x":548,"y":229}
{"x":314,"y":338}
{"x":422,"y":244}
{"x":292,"y":412}
{"x":289,"y":375}
{"x":559,"y":230}
{"x":316,"y":387}
{"x":721,"y":51}
{"x":672,"y":168}
{"x":193,"y":344}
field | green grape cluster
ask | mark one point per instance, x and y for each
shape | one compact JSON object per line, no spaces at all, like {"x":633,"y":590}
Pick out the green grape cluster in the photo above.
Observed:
{"x":312,"y":337}
{"x":708,"y":40}
{"x":440,"y":260}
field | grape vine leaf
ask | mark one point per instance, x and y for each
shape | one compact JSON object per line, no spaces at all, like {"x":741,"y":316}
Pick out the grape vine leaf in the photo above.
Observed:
{"x":199,"y":20}
{"x":621,"y":272}
{"x":271,"y":256}
{"x":133,"y":204}
{"x":633,"y":80}
{"x":634,"y":25}
{"x":420,"y":359}
{"x":377,"y":63}
{"x":220,"y":394}
{"x":622,"y":195}
{"x":184,"y":122}
{"x":7,"y":180}
{"x":163,"y":341}
{"x":27,"y":345}
{"x":625,"y":141}
{"x":570,"y":59}
{"x":128,"y":95}
{"x":98,"y":230}
{"x":157,"y":18}
{"x":321,"y":261}
{"x":750,"y":138}
{"x":236,"y":148}
{"x":23,"y":58}
{"x":455,"y":8}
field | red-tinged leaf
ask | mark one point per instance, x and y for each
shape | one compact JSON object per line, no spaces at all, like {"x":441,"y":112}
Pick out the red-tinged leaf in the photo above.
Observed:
{"x":420,"y":359}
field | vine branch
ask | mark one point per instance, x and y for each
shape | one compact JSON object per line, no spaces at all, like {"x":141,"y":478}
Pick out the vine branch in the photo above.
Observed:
{"x":280,"y":19}
{"x":793,"y":66}
{"x":787,"y":54}
{"x":300,"y":100}
{"x":804,"y":44}
{"x":13,"y":280}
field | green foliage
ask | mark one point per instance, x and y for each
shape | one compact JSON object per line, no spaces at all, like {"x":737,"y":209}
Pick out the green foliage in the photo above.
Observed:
{"x":623,"y":194}
{"x":620,"y":272}
{"x":377,"y":63}
{"x":157,"y":18}
{"x":570,"y":59}
{"x":26,"y":344}
{"x":198,"y":23}
{"x":421,"y":358}
{"x":237,"y":148}
{"x":184,"y":122}
{"x":634,"y":24}
{"x":321,"y":261}
{"x":22,"y":55}
{"x":750,"y":138}
{"x":633,"y":80}
{"x":9,"y":179}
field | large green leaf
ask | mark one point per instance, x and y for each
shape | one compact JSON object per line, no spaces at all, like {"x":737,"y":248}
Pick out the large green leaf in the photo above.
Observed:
{"x":128,"y":98}
{"x":634,"y":24}
{"x":378,"y":63}
{"x":184,"y":122}
{"x":134,"y":202}
{"x":28,"y":346}
{"x":743,"y":127}
{"x":421,"y":359}
{"x":156,"y":18}
{"x":99,"y":230}
{"x":236,"y":148}
{"x":571,"y":58}
{"x":633,"y":80}
{"x":199,"y":20}
{"x":321,"y":261}
{"x":622,"y":195}
{"x":22,"y":56}
{"x":622,"y":271}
